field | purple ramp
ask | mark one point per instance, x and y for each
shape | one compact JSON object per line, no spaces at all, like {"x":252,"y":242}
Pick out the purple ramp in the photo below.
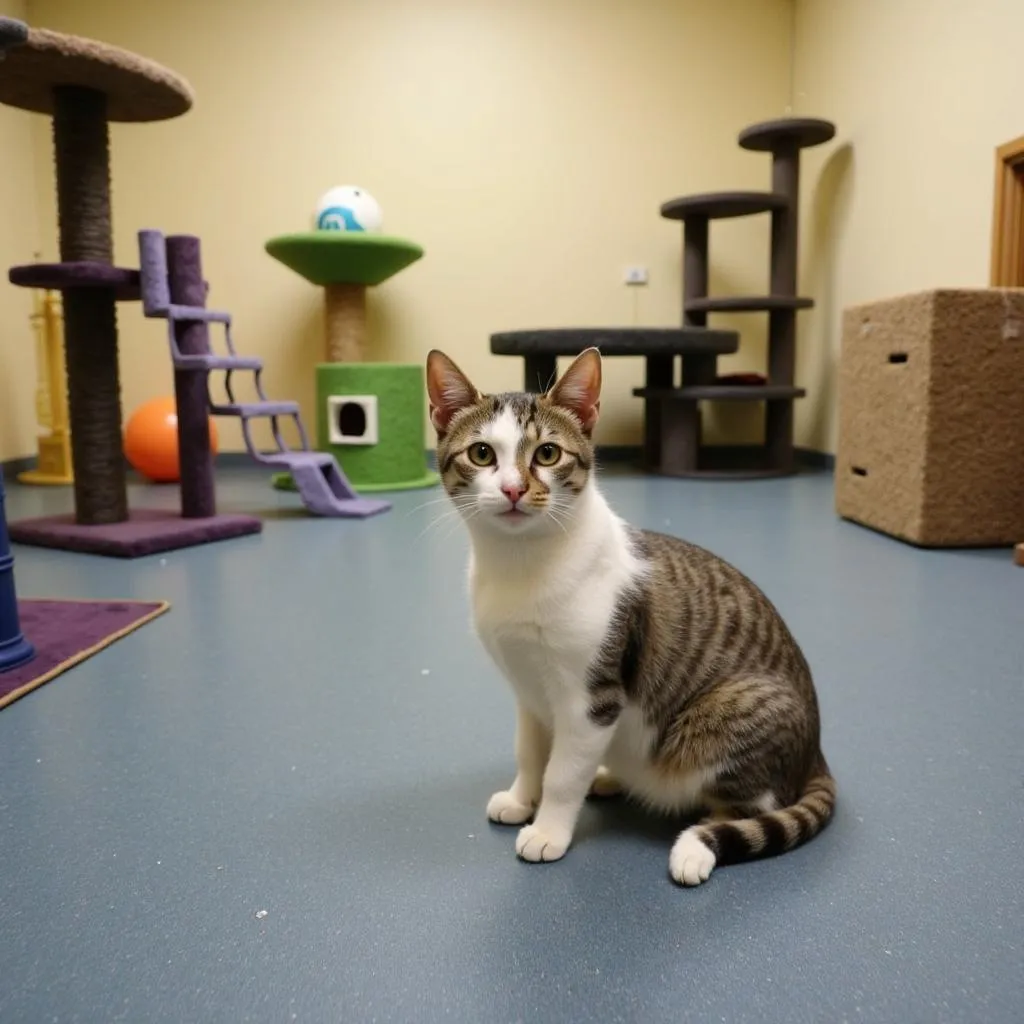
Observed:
{"x":325,"y":491}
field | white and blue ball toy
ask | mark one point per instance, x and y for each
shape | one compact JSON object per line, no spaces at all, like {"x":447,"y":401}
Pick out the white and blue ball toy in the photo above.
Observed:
{"x":348,"y":208}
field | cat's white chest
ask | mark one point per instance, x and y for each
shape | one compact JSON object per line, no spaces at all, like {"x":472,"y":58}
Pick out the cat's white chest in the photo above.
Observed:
{"x":543,"y":632}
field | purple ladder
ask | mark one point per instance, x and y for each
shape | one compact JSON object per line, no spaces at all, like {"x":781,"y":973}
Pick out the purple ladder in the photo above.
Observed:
{"x":322,"y":485}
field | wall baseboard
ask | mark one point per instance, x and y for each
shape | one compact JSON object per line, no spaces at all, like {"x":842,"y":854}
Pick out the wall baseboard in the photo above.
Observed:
{"x":807,"y":458}
{"x":12,"y":467}
{"x":616,"y":454}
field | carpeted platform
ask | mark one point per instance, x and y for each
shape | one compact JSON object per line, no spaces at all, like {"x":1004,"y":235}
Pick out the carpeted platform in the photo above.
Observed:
{"x":146,"y":532}
{"x":67,"y":632}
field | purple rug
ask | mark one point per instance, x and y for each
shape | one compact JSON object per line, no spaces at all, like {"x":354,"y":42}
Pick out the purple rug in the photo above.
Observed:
{"x":146,"y":532}
{"x":67,"y":632}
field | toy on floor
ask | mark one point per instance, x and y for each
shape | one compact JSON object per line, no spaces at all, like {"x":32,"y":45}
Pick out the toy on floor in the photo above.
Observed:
{"x":53,"y":464}
{"x":370,"y":415}
{"x":151,"y":440}
{"x":14,"y":648}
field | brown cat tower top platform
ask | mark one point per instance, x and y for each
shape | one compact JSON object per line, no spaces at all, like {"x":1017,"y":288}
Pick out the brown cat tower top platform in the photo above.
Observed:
{"x":84,"y":84}
{"x":136,"y":89}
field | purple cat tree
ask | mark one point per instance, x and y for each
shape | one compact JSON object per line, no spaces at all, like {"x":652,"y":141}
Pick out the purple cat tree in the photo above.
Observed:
{"x":173,"y":289}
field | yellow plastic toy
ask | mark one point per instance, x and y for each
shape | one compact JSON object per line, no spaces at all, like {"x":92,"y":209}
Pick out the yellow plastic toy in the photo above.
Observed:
{"x":54,"y":463}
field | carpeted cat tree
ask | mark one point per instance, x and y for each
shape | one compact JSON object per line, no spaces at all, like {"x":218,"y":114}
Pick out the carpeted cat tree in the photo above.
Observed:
{"x":680,"y":411}
{"x":370,"y":415}
{"x":64,"y":632}
{"x":83,"y":85}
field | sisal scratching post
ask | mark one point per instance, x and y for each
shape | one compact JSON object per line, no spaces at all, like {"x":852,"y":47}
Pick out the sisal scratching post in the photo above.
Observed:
{"x":82,"y":155}
{"x":344,"y":264}
{"x":345,"y":322}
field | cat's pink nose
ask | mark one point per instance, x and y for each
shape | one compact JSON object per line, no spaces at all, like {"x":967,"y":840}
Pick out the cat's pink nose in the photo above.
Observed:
{"x":512,"y":492}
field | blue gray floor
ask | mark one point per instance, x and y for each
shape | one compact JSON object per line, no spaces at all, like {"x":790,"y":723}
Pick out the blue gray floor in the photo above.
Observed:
{"x":268,"y":805}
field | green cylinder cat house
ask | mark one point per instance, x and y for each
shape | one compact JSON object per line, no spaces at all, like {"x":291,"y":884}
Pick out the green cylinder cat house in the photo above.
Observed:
{"x":370,"y":415}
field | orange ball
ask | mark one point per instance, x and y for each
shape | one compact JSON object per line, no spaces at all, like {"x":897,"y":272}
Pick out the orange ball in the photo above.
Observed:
{"x":151,"y":440}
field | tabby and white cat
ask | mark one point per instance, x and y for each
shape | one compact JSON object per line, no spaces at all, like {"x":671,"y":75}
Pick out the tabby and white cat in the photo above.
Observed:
{"x":640,"y":663}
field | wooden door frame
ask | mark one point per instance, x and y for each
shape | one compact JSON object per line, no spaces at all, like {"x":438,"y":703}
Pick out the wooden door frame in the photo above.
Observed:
{"x":1007,"y":268}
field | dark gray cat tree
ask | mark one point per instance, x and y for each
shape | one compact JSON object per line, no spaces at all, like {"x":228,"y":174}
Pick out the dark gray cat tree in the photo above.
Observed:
{"x":682,"y":453}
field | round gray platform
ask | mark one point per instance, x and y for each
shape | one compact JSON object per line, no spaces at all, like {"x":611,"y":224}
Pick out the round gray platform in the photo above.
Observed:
{"x":746,"y":303}
{"x":616,"y":341}
{"x":719,"y":205}
{"x":722,"y":392}
{"x":786,"y":132}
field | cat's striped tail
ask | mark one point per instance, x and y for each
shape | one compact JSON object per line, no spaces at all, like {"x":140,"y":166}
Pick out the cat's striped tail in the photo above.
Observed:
{"x":701,"y":848}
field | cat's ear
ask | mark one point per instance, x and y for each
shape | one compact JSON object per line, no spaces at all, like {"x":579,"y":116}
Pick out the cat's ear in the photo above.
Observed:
{"x":579,"y":390}
{"x":449,"y":389}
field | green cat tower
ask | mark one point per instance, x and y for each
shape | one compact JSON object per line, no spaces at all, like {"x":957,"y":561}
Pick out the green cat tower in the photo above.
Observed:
{"x":369,"y":415}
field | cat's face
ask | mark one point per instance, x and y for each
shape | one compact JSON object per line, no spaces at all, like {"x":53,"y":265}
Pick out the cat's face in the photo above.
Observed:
{"x":515,"y":462}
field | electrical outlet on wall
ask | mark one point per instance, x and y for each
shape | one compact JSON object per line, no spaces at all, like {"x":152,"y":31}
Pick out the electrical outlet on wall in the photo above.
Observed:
{"x":635,"y":275}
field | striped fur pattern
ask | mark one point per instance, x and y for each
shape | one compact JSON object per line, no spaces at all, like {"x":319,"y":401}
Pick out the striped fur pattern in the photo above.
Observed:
{"x":640,"y":663}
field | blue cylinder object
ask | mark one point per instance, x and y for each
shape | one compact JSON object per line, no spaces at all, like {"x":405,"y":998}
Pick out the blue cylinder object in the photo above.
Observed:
{"x":14,"y":648}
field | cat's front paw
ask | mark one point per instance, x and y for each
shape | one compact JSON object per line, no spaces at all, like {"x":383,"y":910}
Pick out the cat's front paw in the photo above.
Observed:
{"x":691,"y":860}
{"x":540,"y":847}
{"x":505,"y":809}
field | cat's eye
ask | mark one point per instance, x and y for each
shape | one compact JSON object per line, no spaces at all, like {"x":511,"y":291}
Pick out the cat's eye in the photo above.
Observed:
{"x":481,"y":454}
{"x":547,"y":455}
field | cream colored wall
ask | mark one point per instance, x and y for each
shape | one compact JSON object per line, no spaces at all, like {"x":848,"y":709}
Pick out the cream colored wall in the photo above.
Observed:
{"x":18,"y":244}
{"x":922,"y":93}
{"x":526,"y":145}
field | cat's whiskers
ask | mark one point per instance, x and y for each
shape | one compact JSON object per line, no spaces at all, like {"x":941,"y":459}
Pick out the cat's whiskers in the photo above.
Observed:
{"x":446,"y":500}
{"x":561,"y":514}
{"x":564,"y":511}
{"x":449,"y":516}
{"x":553,"y":516}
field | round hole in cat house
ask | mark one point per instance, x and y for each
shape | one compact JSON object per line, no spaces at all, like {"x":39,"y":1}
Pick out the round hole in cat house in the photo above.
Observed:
{"x":352,"y":419}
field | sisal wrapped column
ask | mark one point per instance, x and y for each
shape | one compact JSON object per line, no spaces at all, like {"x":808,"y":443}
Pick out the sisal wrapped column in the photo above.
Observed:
{"x":81,"y":149}
{"x":345,"y":322}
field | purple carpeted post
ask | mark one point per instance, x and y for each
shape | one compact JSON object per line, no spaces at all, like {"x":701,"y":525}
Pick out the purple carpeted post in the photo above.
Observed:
{"x":187,"y":288}
{"x":153,"y":273}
